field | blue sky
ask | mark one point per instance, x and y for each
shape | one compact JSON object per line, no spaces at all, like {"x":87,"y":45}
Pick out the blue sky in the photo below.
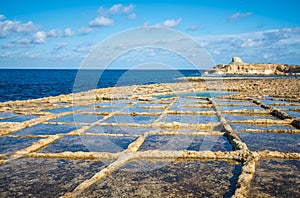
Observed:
{"x":61,"y":33}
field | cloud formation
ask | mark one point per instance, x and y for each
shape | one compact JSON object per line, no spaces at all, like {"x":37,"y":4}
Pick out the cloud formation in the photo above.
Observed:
{"x":39,"y":37}
{"x":68,"y":32}
{"x":277,"y":46}
{"x":8,"y":27}
{"x":101,"y":22}
{"x":171,"y":23}
{"x":53,"y":33}
{"x":116,"y":9}
{"x":104,"y":18}
{"x":239,"y":15}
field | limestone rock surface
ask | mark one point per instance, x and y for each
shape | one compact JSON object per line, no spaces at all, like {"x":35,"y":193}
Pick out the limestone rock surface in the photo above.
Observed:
{"x":239,"y":67}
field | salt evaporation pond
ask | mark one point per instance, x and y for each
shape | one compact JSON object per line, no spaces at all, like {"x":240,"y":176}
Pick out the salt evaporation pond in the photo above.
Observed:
{"x":179,"y":144}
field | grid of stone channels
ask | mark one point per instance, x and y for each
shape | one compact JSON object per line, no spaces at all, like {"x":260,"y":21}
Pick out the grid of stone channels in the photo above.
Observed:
{"x":130,"y":125}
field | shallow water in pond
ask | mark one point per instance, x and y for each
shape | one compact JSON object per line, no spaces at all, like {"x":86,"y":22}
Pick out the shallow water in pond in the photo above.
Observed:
{"x":233,"y":102}
{"x":59,"y":110}
{"x":169,"y":179}
{"x":111,"y":104}
{"x":141,"y":110}
{"x":131,"y":119}
{"x":44,"y":177}
{"x":231,"y":117}
{"x":160,"y":142}
{"x":174,"y":168}
{"x":271,"y":141}
{"x":89,"y":144}
{"x":119,"y":130}
{"x":9,"y":145}
{"x":294,"y":113}
{"x":224,"y":108}
{"x":8,"y":114}
{"x":152,"y":104}
{"x":271,"y":102}
{"x":46,"y":129}
{"x":20,"y":118}
{"x":243,"y":127}
{"x":207,"y":94}
{"x":106,"y":109}
{"x":287,"y":108}
{"x":78,"y":118}
{"x":276,"y":178}
{"x":180,"y":107}
{"x":191,"y":119}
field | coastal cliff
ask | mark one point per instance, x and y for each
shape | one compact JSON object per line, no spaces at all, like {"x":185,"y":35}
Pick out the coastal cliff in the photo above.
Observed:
{"x":238,"y":67}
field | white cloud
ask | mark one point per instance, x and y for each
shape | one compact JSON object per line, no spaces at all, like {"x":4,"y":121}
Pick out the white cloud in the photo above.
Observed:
{"x":101,"y":21}
{"x":53,"y":33}
{"x":68,"y":32}
{"x":171,"y":23}
{"x":120,"y":9}
{"x":26,"y":27}
{"x":104,"y":15}
{"x":59,"y":46}
{"x":279,"y":45}
{"x":239,"y":15}
{"x":115,"y":9}
{"x":83,"y":31}
{"x":250,"y":43}
{"x":8,"y":27}
{"x":192,"y":28}
{"x":39,"y":37}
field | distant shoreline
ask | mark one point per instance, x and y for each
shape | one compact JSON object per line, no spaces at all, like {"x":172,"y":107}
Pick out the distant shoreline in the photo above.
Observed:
{"x":78,"y":69}
{"x":237,"y":77}
{"x":238,"y":67}
{"x":260,"y":87}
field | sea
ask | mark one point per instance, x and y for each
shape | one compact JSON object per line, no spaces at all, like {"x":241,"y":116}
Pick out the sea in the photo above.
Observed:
{"x":23,"y":84}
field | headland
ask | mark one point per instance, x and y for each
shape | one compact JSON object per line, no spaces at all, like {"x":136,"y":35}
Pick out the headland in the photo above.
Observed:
{"x":238,"y":67}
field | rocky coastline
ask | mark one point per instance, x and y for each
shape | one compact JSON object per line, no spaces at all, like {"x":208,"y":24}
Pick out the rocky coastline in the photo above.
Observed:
{"x":238,"y":67}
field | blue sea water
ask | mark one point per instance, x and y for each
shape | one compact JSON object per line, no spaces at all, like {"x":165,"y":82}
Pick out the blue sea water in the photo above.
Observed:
{"x":23,"y":84}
